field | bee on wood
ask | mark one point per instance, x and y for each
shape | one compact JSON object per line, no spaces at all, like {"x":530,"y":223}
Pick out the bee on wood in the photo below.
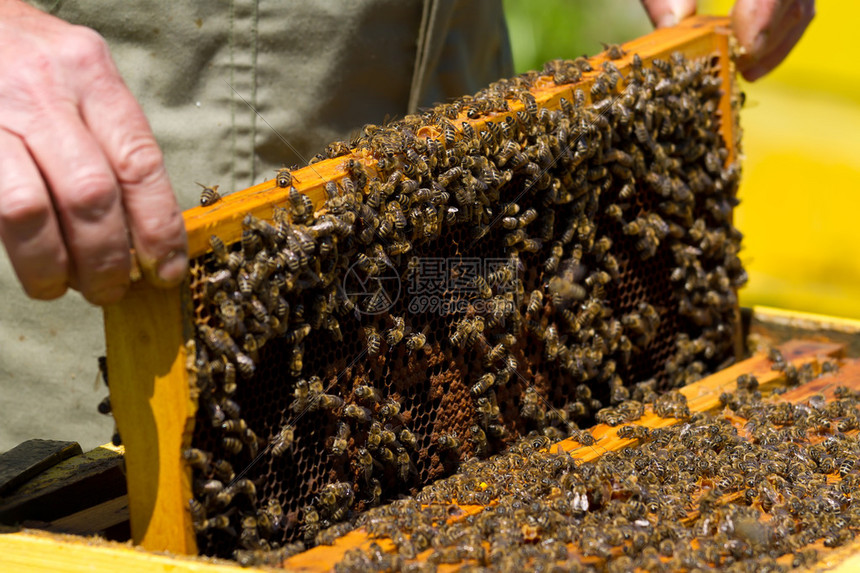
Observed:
{"x":672,"y":404}
{"x":301,"y":206}
{"x":633,"y":432}
{"x":209,"y":195}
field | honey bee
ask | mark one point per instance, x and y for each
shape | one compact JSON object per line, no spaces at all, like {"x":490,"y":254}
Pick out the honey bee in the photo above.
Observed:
{"x":535,"y":302}
{"x":198,"y":512}
{"x":404,"y":464}
{"x":197,"y":459}
{"x":301,"y":206}
{"x":408,"y":439}
{"x":484,"y":383}
{"x":374,"y":340}
{"x":556,"y":253}
{"x":296,"y":363}
{"x":448,"y":442}
{"x":634,"y":432}
{"x":479,"y":439}
{"x":310,"y":524}
{"x":232,"y":445}
{"x":234,"y":426}
{"x":389,"y":409}
{"x":673,"y":404}
{"x":416,"y":341}
{"x":357,"y":412}
{"x":564,"y":291}
{"x":283,"y":177}
{"x":283,"y":441}
{"x":501,"y":276}
{"x":496,"y":353}
{"x":223,"y":470}
{"x":217,"y":522}
{"x":395,"y":334}
{"x":340,"y":442}
{"x":209,"y":195}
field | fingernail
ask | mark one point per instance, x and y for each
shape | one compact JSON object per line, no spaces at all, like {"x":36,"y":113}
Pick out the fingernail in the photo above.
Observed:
{"x":758,"y":44}
{"x":173,"y":267}
{"x":667,"y":20}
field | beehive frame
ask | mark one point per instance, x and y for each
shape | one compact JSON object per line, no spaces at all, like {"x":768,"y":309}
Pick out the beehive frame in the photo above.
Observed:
{"x":152,"y":397}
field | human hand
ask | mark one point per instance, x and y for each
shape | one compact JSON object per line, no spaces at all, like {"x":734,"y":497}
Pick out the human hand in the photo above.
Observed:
{"x":766,"y":29}
{"x":81,"y":176}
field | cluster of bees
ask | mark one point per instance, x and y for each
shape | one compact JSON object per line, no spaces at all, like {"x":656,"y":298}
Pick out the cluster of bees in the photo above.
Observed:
{"x":611,"y":217}
{"x":750,"y":492}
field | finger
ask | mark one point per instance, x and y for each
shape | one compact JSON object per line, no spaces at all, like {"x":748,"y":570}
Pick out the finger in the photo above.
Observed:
{"x":28,"y":225}
{"x":86,"y":200}
{"x":761,"y":25}
{"x":773,"y":58}
{"x":665,"y":13}
{"x":154,"y":218}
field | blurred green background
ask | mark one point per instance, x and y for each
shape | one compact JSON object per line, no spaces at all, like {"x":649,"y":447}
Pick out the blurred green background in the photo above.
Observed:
{"x":800,"y":193}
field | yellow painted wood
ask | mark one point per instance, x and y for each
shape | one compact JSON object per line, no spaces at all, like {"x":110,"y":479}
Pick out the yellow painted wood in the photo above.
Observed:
{"x":806,"y":320}
{"x":152,"y":403}
{"x":31,"y":551}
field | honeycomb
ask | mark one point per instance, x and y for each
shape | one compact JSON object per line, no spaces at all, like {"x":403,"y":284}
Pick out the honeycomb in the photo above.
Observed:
{"x":762,"y":485}
{"x":547,"y":266}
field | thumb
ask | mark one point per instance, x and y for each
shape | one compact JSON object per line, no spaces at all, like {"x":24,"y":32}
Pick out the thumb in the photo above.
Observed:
{"x":665,"y":13}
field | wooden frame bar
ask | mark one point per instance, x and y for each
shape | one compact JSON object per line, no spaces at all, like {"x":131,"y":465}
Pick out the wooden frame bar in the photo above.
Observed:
{"x":151,"y":393}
